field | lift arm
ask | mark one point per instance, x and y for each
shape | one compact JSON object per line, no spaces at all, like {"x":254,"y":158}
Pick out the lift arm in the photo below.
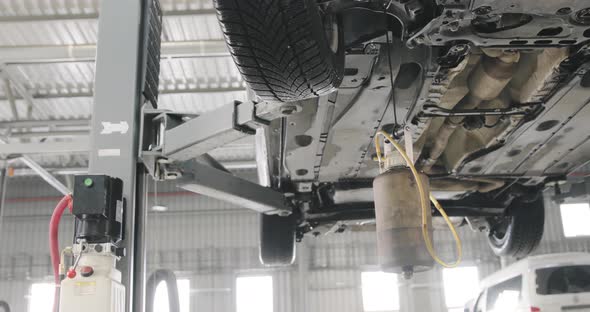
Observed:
{"x":205,"y":180}
{"x":172,"y":141}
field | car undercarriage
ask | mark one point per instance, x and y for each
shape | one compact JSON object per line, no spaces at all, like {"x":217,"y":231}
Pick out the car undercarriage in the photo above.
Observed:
{"x":488,"y":98}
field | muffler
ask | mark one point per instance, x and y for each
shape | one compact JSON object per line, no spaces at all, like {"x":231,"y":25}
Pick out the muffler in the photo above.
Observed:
{"x":403,"y":215}
{"x":398,"y":213}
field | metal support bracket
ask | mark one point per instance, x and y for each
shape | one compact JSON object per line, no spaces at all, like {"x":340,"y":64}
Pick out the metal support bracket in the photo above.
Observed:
{"x":153,"y":126}
{"x":206,"y":180}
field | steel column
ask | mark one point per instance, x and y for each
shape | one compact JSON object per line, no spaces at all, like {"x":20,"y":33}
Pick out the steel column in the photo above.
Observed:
{"x":118,"y":99}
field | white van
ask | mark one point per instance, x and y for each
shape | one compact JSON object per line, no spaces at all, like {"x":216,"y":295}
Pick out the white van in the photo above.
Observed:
{"x":546,"y":283}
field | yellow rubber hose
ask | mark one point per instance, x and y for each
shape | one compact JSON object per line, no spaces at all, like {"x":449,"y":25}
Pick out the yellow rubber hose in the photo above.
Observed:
{"x":425,"y":205}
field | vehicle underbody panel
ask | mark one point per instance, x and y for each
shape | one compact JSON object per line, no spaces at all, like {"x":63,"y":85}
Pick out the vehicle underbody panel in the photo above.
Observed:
{"x":487,"y":97}
{"x":492,"y":94}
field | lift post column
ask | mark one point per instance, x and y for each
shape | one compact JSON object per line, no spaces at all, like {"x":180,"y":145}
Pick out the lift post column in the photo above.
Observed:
{"x":119,"y":93}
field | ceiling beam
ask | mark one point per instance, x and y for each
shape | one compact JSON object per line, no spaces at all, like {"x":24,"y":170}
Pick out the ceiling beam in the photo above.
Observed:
{"x":54,"y":171}
{"x":74,"y":146}
{"x":45,"y":123}
{"x":25,"y":54}
{"x":230,"y":165}
{"x":80,"y":145}
{"x":162,"y":92}
{"x":86,"y":16}
{"x":45,"y":134}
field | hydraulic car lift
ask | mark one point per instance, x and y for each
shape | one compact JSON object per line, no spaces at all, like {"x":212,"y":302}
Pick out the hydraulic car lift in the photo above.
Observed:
{"x":132,"y":140}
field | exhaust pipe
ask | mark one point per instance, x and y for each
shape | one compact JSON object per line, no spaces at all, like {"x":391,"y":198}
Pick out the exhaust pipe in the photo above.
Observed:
{"x":486,"y":82}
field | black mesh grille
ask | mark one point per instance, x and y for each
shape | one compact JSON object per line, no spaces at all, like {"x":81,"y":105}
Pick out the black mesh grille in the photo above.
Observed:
{"x":153,"y":33}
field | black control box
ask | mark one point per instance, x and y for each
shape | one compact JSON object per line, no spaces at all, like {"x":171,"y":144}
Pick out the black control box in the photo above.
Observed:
{"x":99,"y":208}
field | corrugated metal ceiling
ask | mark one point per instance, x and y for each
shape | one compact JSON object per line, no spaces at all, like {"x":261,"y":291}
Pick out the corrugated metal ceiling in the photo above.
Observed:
{"x":84,"y":31}
{"x":47,"y":7}
{"x":178,"y":74}
{"x":48,"y":33}
{"x":67,"y":22}
{"x":63,"y":90}
{"x":80,"y":107}
{"x":13,"y":8}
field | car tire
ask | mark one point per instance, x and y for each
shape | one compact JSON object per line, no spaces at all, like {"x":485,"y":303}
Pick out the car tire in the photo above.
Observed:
{"x":285,"y":50}
{"x":277,"y":240}
{"x":520,"y":233}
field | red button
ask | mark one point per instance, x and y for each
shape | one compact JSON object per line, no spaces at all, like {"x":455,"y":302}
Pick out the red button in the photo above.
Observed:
{"x":71,"y":273}
{"x":86,"y":271}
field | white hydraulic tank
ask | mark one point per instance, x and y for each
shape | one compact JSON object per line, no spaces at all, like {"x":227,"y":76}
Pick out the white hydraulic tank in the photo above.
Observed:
{"x":96,"y":286}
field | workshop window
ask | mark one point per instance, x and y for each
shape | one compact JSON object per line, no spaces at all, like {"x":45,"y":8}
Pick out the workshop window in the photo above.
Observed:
{"x":380,"y":292}
{"x":460,"y":285}
{"x":254,"y":294}
{"x":41,"y":297}
{"x":574,"y":218}
{"x":161,"y":303}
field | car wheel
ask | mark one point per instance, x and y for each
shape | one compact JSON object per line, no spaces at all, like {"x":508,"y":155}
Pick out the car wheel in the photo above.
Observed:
{"x":277,"y":240}
{"x":519,"y":234}
{"x":286,"y":50}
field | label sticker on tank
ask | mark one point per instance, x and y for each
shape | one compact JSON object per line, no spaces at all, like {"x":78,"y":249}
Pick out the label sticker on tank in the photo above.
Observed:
{"x":84,"y":288}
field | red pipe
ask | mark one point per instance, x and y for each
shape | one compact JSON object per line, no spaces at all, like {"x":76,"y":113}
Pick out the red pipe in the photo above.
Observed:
{"x":65,"y":202}
{"x":58,"y":212}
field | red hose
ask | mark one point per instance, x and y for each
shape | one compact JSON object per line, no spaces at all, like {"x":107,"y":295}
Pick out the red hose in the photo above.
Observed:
{"x":64,"y":203}
{"x":58,"y":212}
